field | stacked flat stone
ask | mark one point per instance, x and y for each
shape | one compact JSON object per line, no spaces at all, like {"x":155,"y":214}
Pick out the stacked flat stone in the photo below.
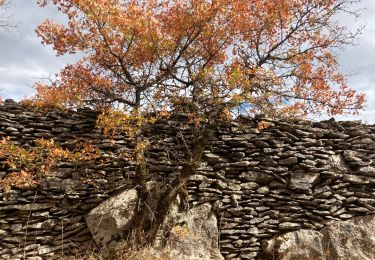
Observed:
{"x":294,"y":175}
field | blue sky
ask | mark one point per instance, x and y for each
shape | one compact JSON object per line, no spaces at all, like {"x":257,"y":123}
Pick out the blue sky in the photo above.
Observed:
{"x":24,"y":60}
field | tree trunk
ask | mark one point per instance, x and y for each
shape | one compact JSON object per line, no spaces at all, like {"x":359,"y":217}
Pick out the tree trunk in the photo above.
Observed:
{"x":144,"y":232}
{"x":167,"y":197}
{"x":138,"y":227}
{"x":189,"y":168}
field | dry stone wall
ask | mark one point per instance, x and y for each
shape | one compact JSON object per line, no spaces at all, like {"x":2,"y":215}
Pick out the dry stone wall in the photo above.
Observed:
{"x":293,"y":175}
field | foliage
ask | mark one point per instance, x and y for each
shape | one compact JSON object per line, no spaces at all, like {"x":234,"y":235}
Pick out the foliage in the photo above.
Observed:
{"x":181,"y":232}
{"x":40,"y":104}
{"x":116,"y":121}
{"x":30,"y":164}
{"x":263,"y":125}
{"x":271,"y":57}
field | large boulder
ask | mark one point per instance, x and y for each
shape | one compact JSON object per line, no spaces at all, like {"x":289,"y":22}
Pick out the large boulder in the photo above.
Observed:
{"x":191,"y":234}
{"x":345,"y":240}
{"x":108,"y":221}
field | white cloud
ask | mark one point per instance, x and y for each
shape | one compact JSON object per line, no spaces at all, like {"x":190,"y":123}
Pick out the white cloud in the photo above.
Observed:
{"x":23,"y":59}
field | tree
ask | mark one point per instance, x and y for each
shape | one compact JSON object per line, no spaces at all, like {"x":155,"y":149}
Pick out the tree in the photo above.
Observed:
{"x":208,"y":58}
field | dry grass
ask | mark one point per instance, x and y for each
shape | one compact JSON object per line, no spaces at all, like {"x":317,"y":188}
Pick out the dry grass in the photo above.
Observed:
{"x":144,"y":254}
{"x":122,"y":251}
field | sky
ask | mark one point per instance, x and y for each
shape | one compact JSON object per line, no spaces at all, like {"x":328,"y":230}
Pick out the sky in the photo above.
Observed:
{"x":24,"y":60}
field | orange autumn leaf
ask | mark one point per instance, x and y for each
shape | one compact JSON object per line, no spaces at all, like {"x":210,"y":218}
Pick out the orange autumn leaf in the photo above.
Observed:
{"x":198,"y":56}
{"x":30,"y":164}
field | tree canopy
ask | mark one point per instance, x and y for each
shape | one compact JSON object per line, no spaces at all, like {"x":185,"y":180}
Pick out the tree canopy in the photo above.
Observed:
{"x":258,"y":56}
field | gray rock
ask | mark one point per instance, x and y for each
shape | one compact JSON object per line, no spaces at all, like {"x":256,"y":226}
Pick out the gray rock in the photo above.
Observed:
{"x":303,"y":180}
{"x":214,"y":158}
{"x":2,"y":233}
{"x":368,"y":171}
{"x":263,"y":190}
{"x":355,"y":179}
{"x":249,"y":186}
{"x":28,"y":207}
{"x":194,"y":234}
{"x":338,"y":161}
{"x":258,"y":220}
{"x":289,"y":161}
{"x":302,"y":244}
{"x":233,"y":186}
{"x":244,"y":163}
{"x":344,"y":240}
{"x":289,"y":225}
{"x":366,"y":141}
{"x":108,"y":221}
{"x":197,"y":177}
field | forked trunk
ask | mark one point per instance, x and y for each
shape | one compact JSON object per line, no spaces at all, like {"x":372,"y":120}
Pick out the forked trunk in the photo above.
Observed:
{"x":154,"y":204}
{"x":167,"y":197}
